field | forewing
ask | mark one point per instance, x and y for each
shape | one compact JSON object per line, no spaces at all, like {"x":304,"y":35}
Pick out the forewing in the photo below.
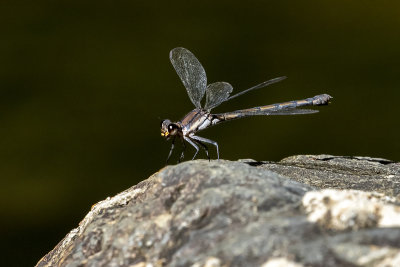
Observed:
{"x":216,"y":93}
{"x":191,"y":73}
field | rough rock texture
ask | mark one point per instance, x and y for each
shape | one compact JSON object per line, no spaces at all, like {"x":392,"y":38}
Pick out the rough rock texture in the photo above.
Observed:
{"x":326,"y":171}
{"x":350,"y":209}
{"x":223,"y":213}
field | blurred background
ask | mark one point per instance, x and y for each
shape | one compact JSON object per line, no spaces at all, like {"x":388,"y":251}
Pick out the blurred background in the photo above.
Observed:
{"x":84,"y":86}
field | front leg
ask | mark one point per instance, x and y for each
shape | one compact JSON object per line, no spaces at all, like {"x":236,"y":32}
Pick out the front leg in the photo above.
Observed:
{"x":202,"y":139}
{"x":170,"y":151}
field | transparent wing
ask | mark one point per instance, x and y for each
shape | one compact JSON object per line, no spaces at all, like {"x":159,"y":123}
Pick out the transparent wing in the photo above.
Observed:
{"x":216,"y":93}
{"x":258,"y":86}
{"x":191,"y":72}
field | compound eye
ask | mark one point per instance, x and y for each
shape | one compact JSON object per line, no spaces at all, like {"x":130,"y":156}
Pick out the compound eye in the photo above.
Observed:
{"x":172,"y":128}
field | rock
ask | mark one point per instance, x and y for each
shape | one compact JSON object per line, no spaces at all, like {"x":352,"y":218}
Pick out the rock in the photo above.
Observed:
{"x":350,"y":209}
{"x":224,"y":213}
{"x":326,"y":171}
{"x":280,"y":262}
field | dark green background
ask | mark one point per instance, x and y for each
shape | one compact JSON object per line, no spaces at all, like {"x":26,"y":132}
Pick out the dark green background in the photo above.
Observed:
{"x":83,"y":87}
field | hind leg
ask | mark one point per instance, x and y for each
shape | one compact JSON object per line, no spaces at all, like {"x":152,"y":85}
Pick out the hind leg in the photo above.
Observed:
{"x":204,"y":147}
{"x":205,"y":140}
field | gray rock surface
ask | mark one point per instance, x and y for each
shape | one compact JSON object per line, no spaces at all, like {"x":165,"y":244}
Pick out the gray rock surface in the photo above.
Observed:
{"x":223,"y":213}
{"x":326,"y":171}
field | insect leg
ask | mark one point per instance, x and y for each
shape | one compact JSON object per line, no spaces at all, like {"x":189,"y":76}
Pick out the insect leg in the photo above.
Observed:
{"x":170,"y":151}
{"x":187,"y":139}
{"x":204,"y":147}
{"x":183,"y":150}
{"x":202,"y":139}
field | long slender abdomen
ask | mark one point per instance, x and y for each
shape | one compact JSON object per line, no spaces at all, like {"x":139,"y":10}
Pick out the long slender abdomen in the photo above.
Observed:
{"x":274,"y":109}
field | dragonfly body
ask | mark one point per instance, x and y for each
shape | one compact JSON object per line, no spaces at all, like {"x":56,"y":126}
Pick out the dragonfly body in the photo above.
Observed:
{"x":195,"y":121}
{"x":193,"y":76}
{"x":285,"y":108}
